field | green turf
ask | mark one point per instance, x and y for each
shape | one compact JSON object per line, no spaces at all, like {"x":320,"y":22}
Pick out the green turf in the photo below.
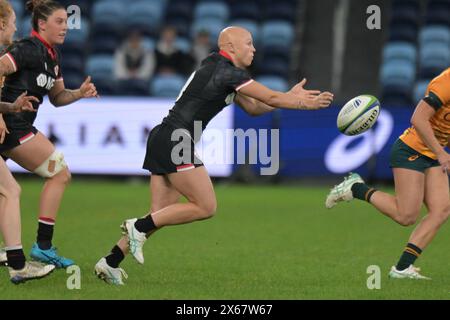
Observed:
{"x":266,"y":242}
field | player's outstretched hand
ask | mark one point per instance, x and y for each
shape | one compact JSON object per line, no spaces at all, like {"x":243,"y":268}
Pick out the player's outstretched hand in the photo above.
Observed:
{"x":23,"y":103}
{"x":88,"y":89}
{"x":311,"y":99}
{"x":303,"y":93}
{"x":321,"y":101}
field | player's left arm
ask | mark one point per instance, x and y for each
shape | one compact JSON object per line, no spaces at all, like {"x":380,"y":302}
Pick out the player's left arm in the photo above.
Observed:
{"x":252,"y":106}
{"x":60,"y":96}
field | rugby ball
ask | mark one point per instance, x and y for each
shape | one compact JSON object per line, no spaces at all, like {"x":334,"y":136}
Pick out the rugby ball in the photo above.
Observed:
{"x":358,"y":115}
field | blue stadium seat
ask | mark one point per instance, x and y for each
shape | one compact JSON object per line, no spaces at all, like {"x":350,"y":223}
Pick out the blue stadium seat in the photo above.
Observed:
{"x":398,"y":73}
{"x":18,"y":7}
{"x":273,"y":82}
{"x":215,"y":10}
{"x":246,"y":10}
{"x":105,"y":16}
{"x":277,"y":33}
{"x":148,"y":43}
{"x":280,"y":10}
{"x":183,"y":44}
{"x":434,"y":58}
{"x":133,"y":87}
{"x":145,"y":16}
{"x":419,"y":89}
{"x":400,"y":50}
{"x":167,"y":85}
{"x":100,"y":66}
{"x":251,"y":26}
{"x":434,"y":33}
{"x":274,"y":66}
{"x":213,"y":26}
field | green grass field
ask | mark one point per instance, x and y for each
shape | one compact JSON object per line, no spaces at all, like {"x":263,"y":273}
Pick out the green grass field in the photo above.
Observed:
{"x":266,"y":242}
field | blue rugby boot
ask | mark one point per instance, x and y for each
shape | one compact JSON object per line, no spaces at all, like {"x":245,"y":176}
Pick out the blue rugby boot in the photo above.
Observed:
{"x":49,"y":256}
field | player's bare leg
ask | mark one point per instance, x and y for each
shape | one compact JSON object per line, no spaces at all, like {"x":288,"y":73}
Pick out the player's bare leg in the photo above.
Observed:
{"x":438,"y":204}
{"x":10,"y":226}
{"x":30,"y":156}
{"x":162,"y":194}
{"x":404,"y":207}
{"x":196,"y":186}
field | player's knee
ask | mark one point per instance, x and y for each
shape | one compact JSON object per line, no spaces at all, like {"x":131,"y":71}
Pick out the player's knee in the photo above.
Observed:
{"x":12,"y":190}
{"x":208,"y":209}
{"x":442,"y":216}
{"x":408,"y":218}
{"x":64,"y":176}
{"x":52,"y":166}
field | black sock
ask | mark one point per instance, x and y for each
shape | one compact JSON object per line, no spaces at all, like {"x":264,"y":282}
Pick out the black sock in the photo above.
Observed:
{"x":16,"y":258}
{"x":408,"y":256}
{"x":145,"y":224}
{"x":115,"y":257}
{"x":45,"y":235}
{"x":362,"y":191}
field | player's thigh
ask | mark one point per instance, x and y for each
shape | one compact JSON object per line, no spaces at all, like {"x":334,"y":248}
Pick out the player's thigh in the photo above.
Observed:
{"x":163,"y":193}
{"x":195,"y":185}
{"x":409,"y":190}
{"x":33,"y":153}
{"x":437,"y":197}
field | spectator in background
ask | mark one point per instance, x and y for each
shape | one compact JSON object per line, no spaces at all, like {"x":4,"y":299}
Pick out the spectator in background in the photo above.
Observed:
{"x":201,"y":47}
{"x":169,"y":58}
{"x":133,"y":60}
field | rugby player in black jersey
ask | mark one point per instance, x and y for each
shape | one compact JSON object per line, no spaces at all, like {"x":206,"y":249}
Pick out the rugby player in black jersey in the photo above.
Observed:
{"x":221,"y":79}
{"x":33,"y":65}
{"x":20,"y":270}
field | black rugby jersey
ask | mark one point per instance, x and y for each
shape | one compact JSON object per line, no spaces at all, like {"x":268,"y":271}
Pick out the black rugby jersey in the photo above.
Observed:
{"x":209,"y":89}
{"x":37,"y":66}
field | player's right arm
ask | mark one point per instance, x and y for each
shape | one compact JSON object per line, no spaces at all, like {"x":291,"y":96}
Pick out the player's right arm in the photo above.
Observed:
{"x":294,"y":99}
{"x":437,"y":96}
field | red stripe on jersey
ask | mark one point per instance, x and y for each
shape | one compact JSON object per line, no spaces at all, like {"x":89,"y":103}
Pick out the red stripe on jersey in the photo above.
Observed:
{"x":185,"y":167}
{"x":50,"y":49}
{"x":225,"y":54}
{"x":26,"y":138}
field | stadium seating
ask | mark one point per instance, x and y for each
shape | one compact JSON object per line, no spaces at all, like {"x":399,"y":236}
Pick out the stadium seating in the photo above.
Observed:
{"x":18,"y":7}
{"x":145,"y":16}
{"x":434,"y":33}
{"x":420,"y":89}
{"x":401,"y":51}
{"x":215,"y":10}
{"x":105,"y":24}
{"x":100,"y":67}
{"x":274,"y":82}
{"x":167,"y":85}
{"x":277,"y":34}
{"x":434,"y":58}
